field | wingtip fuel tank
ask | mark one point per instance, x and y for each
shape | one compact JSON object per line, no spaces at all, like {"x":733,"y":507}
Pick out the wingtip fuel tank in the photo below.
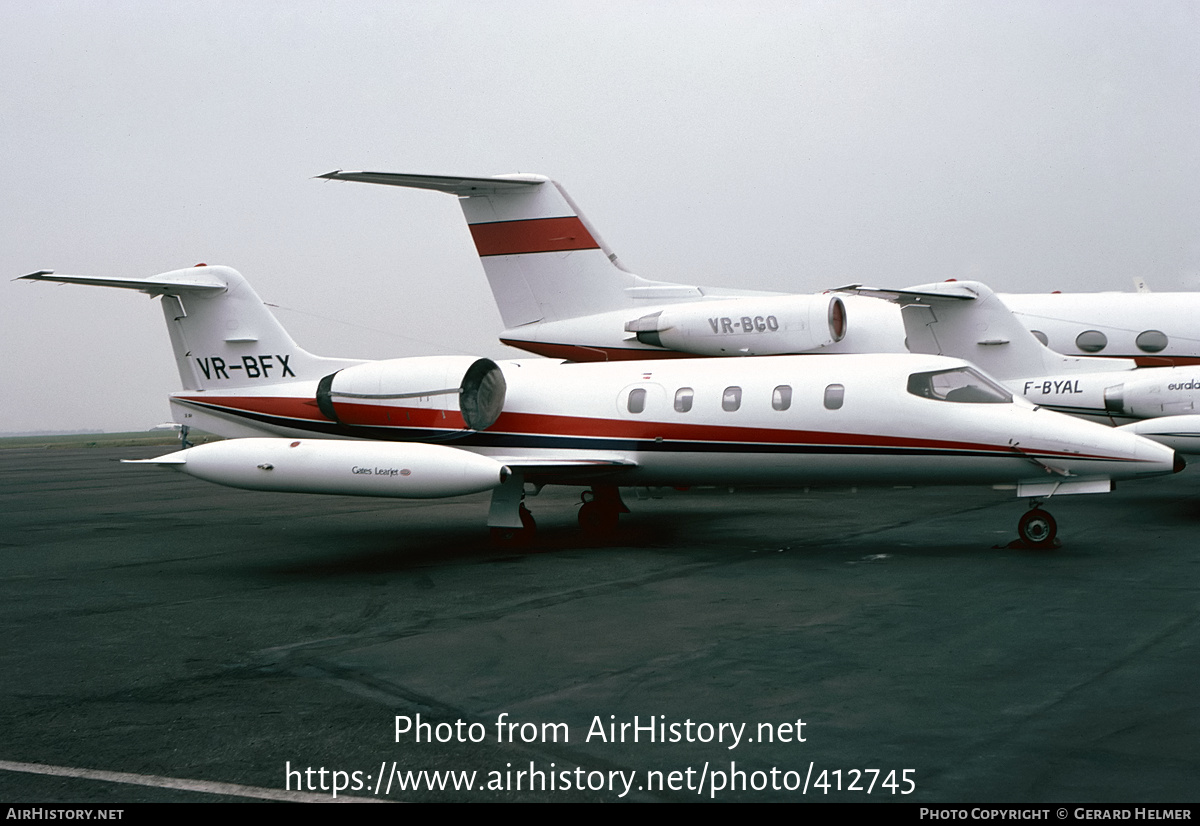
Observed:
{"x":339,"y":466}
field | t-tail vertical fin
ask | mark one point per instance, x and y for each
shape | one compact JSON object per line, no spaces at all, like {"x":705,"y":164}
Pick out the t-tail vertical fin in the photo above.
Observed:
{"x":222,"y":333}
{"x":966,"y":320}
{"x":544,"y":260}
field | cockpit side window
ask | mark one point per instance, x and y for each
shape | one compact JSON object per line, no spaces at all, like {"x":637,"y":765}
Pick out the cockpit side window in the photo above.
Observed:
{"x":962,"y":384}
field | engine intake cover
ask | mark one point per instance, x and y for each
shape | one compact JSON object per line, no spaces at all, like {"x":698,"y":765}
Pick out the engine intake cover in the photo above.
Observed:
{"x":354,"y":395}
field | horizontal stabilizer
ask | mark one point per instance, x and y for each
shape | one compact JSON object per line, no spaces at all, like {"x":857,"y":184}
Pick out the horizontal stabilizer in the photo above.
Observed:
{"x":158,"y":285}
{"x":440,"y":183}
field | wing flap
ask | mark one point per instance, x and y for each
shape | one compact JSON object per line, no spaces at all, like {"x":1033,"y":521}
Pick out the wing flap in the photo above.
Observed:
{"x":575,"y":471}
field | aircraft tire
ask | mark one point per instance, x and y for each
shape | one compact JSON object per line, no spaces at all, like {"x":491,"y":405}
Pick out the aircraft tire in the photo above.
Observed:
{"x":597,"y":517}
{"x":516,"y":537}
{"x":1037,"y":528}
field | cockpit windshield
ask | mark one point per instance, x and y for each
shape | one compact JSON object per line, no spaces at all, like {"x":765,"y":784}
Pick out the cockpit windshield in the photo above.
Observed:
{"x":962,"y":384}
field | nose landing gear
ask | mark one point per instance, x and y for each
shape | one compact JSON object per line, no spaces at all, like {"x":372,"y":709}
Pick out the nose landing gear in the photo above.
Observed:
{"x":1037,"y":528}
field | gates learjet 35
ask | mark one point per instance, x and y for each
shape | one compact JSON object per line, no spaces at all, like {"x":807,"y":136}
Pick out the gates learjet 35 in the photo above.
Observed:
{"x":425,"y":427}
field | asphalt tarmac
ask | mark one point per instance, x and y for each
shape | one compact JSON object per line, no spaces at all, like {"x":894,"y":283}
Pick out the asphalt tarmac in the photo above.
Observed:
{"x":172,"y":636}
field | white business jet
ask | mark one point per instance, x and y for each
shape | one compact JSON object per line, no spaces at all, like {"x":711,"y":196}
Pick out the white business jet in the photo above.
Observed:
{"x":965,"y":319}
{"x":439,"y":426}
{"x":563,"y":292}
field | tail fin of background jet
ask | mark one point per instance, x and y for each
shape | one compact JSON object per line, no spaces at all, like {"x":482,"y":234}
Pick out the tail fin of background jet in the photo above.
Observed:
{"x":544,"y":260}
{"x":222,"y":333}
{"x":966,"y":320}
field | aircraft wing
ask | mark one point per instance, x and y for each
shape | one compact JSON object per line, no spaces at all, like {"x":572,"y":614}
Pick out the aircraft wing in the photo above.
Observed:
{"x":535,"y":469}
{"x":157,"y":285}
{"x":440,"y":183}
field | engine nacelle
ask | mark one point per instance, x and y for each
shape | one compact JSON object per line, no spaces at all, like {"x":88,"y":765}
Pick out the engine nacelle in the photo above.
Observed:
{"x":340,"y":466}
{"x":1156,"y":391}
{"x":753,"y":326}
{"x":364,"y":394}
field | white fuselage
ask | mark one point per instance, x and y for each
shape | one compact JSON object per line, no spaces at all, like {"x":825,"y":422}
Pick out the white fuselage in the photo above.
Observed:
{"x":1156,"y":329}
{"x":776,"y":420}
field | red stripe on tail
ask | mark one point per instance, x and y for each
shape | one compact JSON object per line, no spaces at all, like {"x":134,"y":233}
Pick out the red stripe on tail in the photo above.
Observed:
{"x":532,"y":235}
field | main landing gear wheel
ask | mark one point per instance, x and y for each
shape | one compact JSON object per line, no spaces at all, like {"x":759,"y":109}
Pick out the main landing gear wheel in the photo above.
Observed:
{"x":516,"y":537}
{"x":1037,"y":528}
{"x":601,"y":510}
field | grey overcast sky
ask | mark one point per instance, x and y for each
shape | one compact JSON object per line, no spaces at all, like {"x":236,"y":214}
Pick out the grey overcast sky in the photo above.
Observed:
{"x":777,"y":145}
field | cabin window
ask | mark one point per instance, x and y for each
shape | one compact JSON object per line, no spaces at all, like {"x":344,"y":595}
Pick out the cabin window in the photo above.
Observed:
{"x":637,"y":400}
{"x":1091,"y":341}
{"x":963,"y":384}
{"x":835,"y":394}
{"x":1152,"y":341}
{"x":1040,"y":336}
{"x":731,"y":399}
{"x":683,"y":399}
{"x":781,"y":398}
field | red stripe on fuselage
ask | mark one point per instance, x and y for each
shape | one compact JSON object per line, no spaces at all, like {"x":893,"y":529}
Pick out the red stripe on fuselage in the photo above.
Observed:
{"x":540,"y":424}
{"x":1149,"y":361}
{"x":532,"y":235}
{"x":1165,"y":361}
{"x":586,"y":353}
{"x":386,"y":415}
{"x":283,"y":406}
{"x":350,"y":413}
{"x":582,"y":353}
